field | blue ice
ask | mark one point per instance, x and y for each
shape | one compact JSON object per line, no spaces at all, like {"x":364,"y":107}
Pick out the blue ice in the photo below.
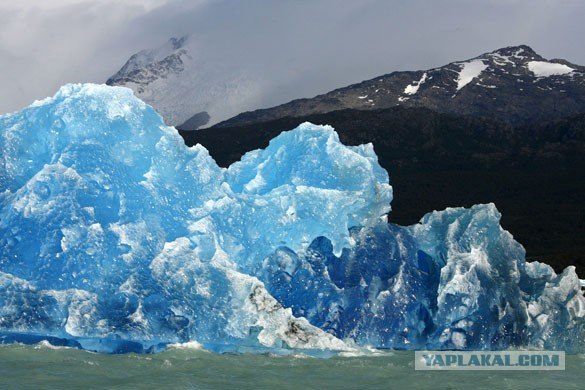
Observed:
{"x":116,"y":237}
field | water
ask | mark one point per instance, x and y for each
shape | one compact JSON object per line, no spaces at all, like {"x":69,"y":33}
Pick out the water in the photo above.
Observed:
{"x":45,"y":367}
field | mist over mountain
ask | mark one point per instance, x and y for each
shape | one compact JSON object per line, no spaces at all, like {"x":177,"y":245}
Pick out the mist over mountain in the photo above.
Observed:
{"x":185,"y":85}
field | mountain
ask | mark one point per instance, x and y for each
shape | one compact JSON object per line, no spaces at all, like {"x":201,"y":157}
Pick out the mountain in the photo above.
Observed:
{"x":513,"y":84}
{"x":192,"y":86}
{"x":186,"y":84}
{"x":535,"y":174}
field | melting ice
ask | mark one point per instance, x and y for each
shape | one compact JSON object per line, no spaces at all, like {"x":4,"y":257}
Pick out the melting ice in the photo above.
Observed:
{"x":115,"y":237}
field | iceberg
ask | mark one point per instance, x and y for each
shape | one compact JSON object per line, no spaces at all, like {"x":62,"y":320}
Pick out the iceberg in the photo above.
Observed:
{"x":455,"y":281}
{"x":116,"y":237}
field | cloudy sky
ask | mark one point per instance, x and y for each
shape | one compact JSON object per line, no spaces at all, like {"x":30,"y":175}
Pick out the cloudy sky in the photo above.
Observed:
{"x":47,"y":43}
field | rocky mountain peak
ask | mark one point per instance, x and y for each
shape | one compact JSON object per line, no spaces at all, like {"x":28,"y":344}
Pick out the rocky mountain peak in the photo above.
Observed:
{"x":512,"y":84}
{"x":148,"y":66}
{"x":519,"y":51}
{"x":178,"y":42}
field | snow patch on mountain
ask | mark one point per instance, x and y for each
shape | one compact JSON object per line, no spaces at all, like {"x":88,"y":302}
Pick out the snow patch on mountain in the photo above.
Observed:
{"x":469,"y":71}
{"x":411,"y":89}
{"x":501,"y":60}
{"x":546,"y":69}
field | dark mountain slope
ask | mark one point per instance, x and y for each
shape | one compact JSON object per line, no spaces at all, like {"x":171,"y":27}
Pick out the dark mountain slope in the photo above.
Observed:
{"x":513,"y":84}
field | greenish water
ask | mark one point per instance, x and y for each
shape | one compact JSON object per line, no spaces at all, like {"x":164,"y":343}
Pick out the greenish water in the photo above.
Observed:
{"x":44,"y":367}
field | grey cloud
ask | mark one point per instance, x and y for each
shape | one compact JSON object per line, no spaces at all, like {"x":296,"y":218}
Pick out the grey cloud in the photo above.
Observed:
{"x":326,"y":44}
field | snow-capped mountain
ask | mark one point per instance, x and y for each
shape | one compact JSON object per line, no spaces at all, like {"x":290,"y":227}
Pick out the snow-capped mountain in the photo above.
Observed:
{"x":513,"y":84}
{"x":184,"y":83}
{"x":147,"y":66}
{"x":191,"y":87}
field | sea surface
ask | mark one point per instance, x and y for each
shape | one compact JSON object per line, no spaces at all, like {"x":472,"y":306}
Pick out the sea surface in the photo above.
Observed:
{"x":45,"y":367}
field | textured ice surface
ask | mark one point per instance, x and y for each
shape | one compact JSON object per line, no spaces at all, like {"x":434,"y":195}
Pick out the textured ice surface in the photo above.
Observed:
{"x":114,"y":236}
{"x":456,"y":280}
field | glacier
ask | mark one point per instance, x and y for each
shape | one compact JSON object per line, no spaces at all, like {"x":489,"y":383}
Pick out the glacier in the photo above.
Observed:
{"x":116,"y":237}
